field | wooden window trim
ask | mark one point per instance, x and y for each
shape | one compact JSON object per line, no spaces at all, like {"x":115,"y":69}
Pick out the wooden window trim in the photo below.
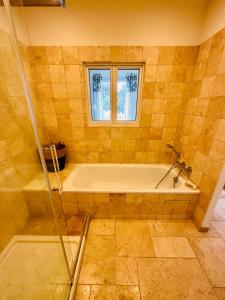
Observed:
{"x":113,"y":93}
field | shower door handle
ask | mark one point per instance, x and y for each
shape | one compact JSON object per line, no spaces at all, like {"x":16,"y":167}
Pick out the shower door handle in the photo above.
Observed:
{"x":56,"y":167}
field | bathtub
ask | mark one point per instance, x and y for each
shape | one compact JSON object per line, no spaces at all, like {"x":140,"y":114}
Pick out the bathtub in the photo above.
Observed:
{"x":125,"y":178}
{"x":114,"y":191}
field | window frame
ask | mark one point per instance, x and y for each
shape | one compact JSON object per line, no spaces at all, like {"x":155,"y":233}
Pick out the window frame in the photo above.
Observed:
{"x":114,"y":67}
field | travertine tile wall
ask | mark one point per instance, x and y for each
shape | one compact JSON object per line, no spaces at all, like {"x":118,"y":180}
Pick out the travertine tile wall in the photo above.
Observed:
{"x":201,"y":131}
{"x":18,"y":155}
{"x":182,"y":103}
{"x":60,"y":84}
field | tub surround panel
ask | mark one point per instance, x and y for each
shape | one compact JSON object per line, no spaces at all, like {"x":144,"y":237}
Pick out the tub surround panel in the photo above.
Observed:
{"x":201,"y":131}
{"x":114,"y":205}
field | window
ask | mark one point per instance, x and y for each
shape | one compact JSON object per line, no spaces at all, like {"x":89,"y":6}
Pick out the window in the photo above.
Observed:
{"x":114,"y":93}
{"x":99,"y":81}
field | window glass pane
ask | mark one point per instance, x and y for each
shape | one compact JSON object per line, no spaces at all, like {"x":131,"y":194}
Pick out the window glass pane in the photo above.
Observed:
{"x":127,"y":94}
{"x":100,"y":94}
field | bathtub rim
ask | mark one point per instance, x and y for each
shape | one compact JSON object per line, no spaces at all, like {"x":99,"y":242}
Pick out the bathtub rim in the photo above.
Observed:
{"x":67,"y":187}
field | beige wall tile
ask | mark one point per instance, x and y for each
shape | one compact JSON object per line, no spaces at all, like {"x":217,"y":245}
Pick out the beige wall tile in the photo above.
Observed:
{"x":70,"y":55}
{"x":219,"y":86}
{"x":73,"y":73}
{"x":157,"y":120}
{"x":129,"y":145}
{"x":118,"y":53}
{"x":150,"y":73}
{"x":159,"y":106}
{"x":39,"y":55}
{"x":148,"y":90}
{"x":86,"y":54}
{"x":44,"y":90}
{"x":55,"y":55}
{"x":102,"y":53}
{"x":164,"y":73}
{"x":57,"y":73}
{"x":134,"y":54}
{"x":220,"y":133}
{"x":42,"y":73}
{"x":166,"y":55}
{"x":59,"y":90}
{"x":150,"y":55}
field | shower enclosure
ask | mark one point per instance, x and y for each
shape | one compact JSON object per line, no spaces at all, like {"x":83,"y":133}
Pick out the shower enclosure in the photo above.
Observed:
{"x":39,"y":246}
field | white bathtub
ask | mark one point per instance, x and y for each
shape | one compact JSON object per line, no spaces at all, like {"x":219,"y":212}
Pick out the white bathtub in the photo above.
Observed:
{"x":124,"y":178}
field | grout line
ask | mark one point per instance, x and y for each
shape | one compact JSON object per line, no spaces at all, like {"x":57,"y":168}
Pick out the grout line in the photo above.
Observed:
{"x":220,"y":236}
{"x":206,"y":275}
{"x":199,"y":261}
{"x":137,"y":258}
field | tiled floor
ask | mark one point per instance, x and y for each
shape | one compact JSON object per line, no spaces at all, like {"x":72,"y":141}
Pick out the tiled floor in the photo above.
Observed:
{"x":152,"y":260}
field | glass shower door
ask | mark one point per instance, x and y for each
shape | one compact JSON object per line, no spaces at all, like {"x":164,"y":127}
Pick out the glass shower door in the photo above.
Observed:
{"x":33,"y":253}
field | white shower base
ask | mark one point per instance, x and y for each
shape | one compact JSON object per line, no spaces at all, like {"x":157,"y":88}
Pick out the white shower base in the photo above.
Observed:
{"x":33,"y":268}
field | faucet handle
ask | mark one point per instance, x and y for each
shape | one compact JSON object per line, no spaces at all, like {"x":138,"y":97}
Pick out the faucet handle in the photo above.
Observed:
{"x":188,"y":170}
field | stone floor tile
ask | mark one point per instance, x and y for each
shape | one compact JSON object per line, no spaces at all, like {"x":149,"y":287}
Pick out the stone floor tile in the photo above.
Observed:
{"x":126,"y":271}
{"x":102,"y":227}
{"x":174,"y":229}
{"x":220,"y":228}
{"x":99,"y":263}
{"x":190,"y":229}
{"x":172,"y":247}
{"x":157,"y":229}
{"x":98,"y":271}
{"x":126,"y":293}
{"x":99,"y":246}
{"x":99,"y":292}
{"x":106,"y":292}
{"x":173,"y":279}
{"x":211,"y":254}
{"x":133,"y":239}
{"x":83,"y":292}
{"x":181,"y":229}
{"x":220,"y":293}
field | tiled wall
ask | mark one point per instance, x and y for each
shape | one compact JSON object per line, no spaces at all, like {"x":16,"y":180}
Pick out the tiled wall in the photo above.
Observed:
{"x":18,"y":155}
{"x":182,"y":103}
{"x":114,"y":205}
{"x":201,"y":136}
{"x":61,"y":90}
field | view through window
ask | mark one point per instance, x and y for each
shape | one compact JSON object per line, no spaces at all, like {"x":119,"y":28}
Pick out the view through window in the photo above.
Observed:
{"x":114,"y":93}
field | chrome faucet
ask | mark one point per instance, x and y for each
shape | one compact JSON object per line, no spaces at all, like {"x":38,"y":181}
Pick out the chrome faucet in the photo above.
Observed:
{"x":181,"y":166}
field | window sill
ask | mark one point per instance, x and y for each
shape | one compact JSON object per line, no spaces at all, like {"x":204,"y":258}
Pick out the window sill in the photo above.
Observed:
{"x":115,"y":124}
